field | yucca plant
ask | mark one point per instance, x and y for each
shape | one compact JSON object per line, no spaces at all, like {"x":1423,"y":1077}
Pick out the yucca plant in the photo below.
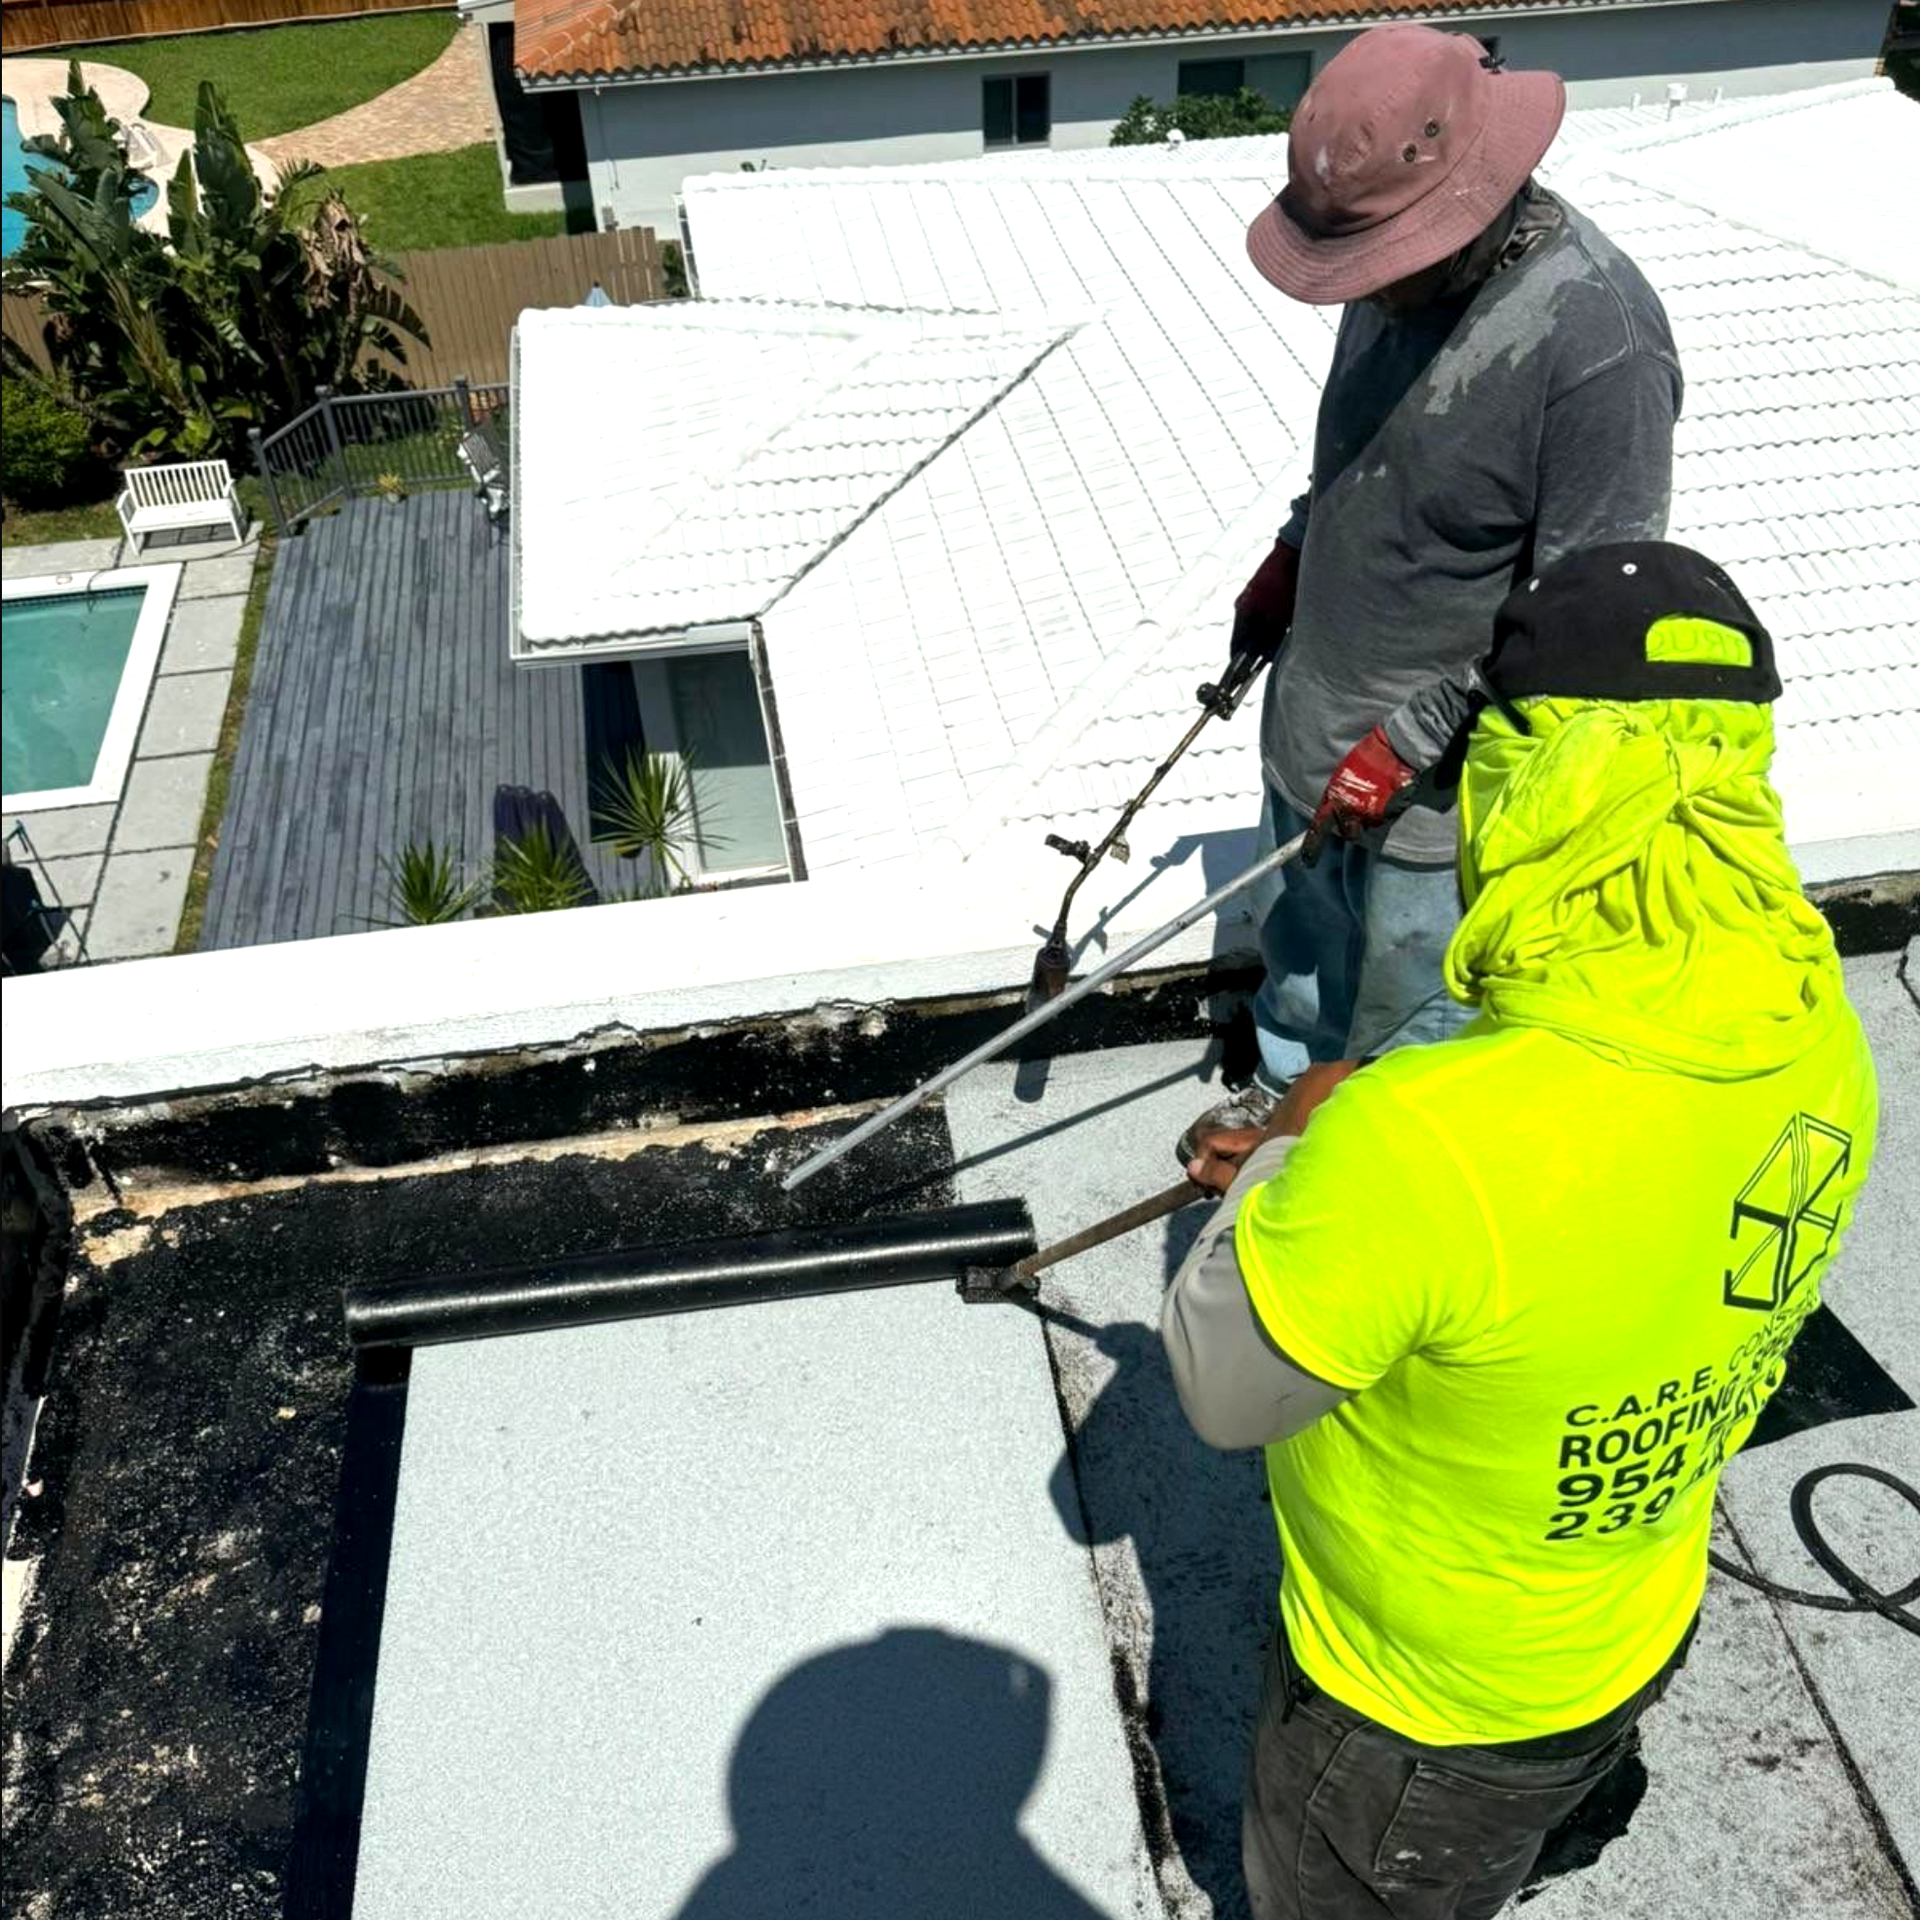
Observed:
{"x":644,"y":805}
{"x":425,"y":887}
{"x":536,"y":873}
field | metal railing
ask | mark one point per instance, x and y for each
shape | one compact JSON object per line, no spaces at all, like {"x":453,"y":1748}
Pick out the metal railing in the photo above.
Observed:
{"x":346,"y":446}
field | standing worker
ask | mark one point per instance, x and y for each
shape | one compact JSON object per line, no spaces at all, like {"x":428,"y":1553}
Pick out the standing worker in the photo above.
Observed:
{"x":1507,"y":1307}
{"x":1503,"y":391}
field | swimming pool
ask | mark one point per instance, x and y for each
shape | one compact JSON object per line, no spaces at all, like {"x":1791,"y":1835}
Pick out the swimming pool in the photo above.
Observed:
{"x":16,"y":167}
{"x":79,"y":655}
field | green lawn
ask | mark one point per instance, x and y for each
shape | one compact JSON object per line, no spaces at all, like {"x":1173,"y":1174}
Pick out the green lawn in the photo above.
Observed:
{"x":279,"y":78}
{"x":51,"y":524}
{"x":437,"y":200}
{"x":96,"y":520}
{"x":193,"y":913}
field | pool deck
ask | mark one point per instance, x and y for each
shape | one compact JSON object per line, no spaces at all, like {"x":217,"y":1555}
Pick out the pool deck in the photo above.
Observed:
{"x":34,"y":85}
{"x":120,"y":869}
{"x":384,"y":709}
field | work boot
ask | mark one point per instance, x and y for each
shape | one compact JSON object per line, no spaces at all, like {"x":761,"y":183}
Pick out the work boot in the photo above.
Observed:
{"x":1252,"y":1106}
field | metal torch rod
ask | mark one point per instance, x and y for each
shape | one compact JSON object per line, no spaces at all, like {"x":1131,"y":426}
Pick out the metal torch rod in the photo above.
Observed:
{"x":991,"y":1049}
{"x":1142,"y":1213}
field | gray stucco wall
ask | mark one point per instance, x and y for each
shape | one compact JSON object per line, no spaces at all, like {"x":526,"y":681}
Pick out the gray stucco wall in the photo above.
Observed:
{"x":642,"y":141}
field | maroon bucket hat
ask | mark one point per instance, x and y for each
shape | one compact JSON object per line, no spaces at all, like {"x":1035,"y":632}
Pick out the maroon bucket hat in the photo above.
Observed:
{"x":1408,"y":146}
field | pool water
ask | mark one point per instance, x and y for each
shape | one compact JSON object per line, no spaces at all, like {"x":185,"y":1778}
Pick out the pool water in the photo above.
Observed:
{"x":16,"y":168}
{"x":64,"y":657}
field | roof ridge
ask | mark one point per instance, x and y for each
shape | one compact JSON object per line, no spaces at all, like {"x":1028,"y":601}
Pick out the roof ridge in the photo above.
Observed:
{"x":875,"y":332}
{"x":1045,"y":344}
{"x":1063,"y":163}
{"x":1601,"y":159}
{"x":1090,"y":700}
{"x":1717,"y":116}
{"x":995,"y":352}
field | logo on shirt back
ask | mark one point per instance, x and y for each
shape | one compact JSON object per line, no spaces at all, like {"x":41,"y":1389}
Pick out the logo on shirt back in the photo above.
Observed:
{"x":1783,"y":1218}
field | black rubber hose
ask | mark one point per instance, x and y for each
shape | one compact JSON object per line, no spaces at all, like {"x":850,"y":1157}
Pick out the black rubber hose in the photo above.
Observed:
{"x":1863,"y":1598}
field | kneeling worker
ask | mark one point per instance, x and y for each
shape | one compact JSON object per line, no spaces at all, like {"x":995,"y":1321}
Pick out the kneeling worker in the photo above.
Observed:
{"x":1505,"y":1309}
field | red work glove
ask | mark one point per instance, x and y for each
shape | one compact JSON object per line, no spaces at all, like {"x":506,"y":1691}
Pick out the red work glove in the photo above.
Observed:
{"x":1264,"y":610}
{"x":1359,"y":794}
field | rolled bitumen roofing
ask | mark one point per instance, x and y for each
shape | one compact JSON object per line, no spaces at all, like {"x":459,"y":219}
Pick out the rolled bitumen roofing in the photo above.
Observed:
{"x":744,"y":1613}
{"x":589,"y":1289}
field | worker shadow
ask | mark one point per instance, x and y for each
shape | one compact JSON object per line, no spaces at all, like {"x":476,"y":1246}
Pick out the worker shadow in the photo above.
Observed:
{"x":1208,"y":1560}
{"x":1222,"y":855}
{"x":885,"y":1779}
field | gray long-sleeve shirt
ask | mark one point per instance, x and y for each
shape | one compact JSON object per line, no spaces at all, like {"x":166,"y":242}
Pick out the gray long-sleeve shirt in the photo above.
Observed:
{"x":1236,"y":1387}
{"x":1459,"y":449}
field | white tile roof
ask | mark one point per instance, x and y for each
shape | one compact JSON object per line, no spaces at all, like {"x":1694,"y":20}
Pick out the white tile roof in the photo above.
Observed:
{"x":1828,"y":168}
{"x":1014,"y":636}
{"x":679,"y":467}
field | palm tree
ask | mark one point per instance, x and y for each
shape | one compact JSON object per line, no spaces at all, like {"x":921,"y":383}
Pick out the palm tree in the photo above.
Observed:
{"x":539,"y":872}
{"x":232,"y":320}
{"x":645,"y":804}
{"x":425,"y":887}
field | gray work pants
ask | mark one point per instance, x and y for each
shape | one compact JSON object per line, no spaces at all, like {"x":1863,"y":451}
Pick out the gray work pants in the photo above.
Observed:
{"x":1345,"y":1820}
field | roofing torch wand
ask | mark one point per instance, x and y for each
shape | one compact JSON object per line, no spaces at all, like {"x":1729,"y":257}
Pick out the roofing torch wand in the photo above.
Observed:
{"x":1039,"y":1016}
{"x":1218,"y":701}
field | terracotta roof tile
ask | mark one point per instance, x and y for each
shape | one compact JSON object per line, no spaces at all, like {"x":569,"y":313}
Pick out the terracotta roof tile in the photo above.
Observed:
{"x":557,"y":40}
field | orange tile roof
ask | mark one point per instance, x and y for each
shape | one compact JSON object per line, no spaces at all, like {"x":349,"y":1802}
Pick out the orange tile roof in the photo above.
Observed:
{"x":559,"y":40}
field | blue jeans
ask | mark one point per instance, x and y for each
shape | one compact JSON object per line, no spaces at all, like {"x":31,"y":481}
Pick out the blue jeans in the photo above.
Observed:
{"x":1352,"y":947}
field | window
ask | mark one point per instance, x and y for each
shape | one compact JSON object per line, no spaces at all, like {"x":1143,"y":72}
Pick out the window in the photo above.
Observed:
{"x":1282,"y":78}
{"x":716,"y":712}
{"x":1016,"y":110}
{"x":703,"y":709}
{"x":1224,"y":77}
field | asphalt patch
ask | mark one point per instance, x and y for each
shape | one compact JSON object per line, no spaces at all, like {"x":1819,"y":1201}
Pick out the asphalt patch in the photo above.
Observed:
{"x":187,"y":1469}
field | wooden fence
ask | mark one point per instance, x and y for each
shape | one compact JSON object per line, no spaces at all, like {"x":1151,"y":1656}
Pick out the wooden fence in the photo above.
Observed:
{"x":470,"y":296}
{"x":21,"y":321}
{"x":27,"y":24}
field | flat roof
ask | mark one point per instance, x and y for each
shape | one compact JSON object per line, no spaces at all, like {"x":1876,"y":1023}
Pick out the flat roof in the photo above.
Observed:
{"x":636,"y":1570}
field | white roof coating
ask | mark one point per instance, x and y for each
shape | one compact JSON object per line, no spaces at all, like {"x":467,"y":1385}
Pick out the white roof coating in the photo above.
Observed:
{"x":1014,"y":632}
{"x":795,"y":1635}
{"x":1758,"y":162}
{"x":679,"y":467}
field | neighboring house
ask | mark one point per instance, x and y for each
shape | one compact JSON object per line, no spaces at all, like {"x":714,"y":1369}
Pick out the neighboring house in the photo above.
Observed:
{"x":954,"y":472}
{"x":642,"y":95}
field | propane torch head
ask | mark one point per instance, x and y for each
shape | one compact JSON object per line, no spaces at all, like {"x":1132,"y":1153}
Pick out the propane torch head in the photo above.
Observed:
{"x":1052,"y":966}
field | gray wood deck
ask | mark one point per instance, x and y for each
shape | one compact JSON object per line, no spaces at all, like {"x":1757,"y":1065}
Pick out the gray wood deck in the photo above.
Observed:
{"x":384,"y":709}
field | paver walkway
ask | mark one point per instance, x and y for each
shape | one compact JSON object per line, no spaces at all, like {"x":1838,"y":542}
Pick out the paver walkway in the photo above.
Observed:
{"x":444,"y":106}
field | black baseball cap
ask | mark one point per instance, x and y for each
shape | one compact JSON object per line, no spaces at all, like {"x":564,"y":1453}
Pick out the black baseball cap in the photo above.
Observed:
{"x":1643,"y":620}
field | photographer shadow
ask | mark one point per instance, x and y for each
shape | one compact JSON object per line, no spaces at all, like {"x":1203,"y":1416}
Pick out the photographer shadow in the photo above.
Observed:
{"x":884,"y":1780}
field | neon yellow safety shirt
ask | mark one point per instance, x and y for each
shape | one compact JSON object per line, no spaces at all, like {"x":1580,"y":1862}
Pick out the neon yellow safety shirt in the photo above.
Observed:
{"x":1567,"y":1283}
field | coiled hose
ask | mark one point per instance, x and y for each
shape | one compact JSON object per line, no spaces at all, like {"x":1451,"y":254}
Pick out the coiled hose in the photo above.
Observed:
{"x":1862,"y":1598}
